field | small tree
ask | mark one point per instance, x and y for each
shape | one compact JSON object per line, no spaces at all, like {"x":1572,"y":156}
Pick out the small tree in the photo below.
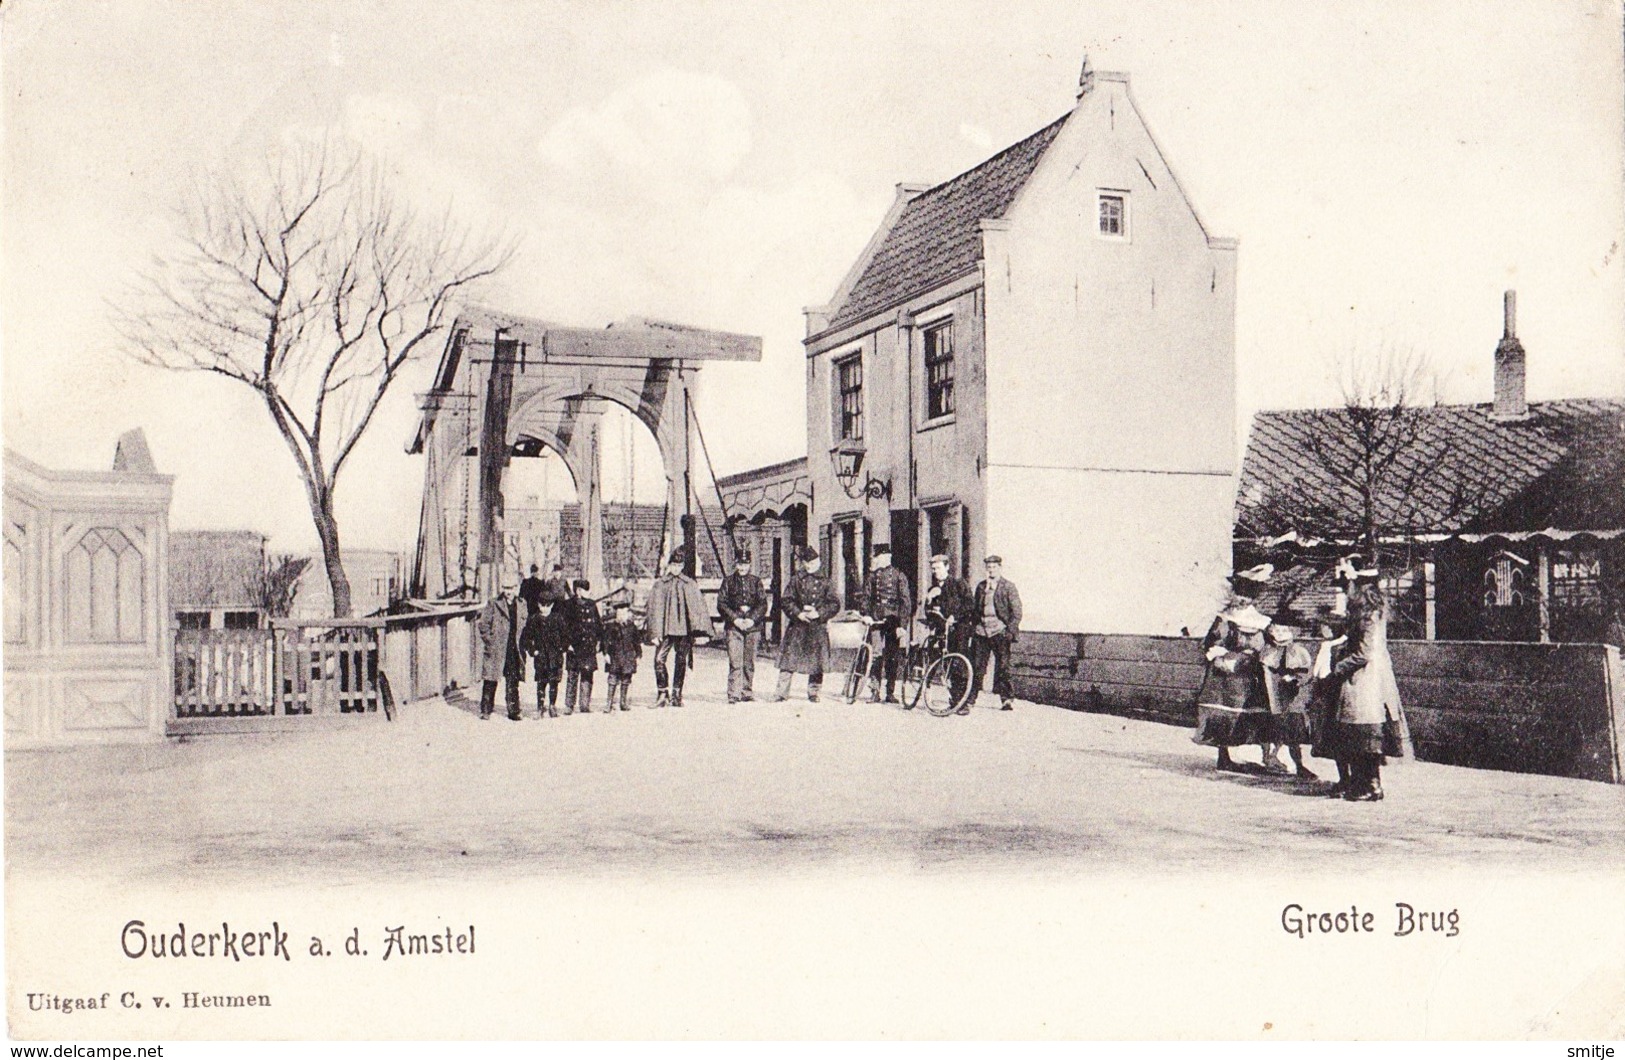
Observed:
{"x":312,"y":286}
{"x":1370,"y":475}
{"x":277,"y":584}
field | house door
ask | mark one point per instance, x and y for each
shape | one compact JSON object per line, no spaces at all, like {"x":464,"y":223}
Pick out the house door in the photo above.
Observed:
{"x":777,"y":586}
{"x":905,"y":547}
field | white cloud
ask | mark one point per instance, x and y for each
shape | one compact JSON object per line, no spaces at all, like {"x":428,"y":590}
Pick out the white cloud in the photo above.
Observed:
{"x":666,"y":130}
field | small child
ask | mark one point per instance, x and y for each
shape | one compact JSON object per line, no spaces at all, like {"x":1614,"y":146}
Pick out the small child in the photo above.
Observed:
{"x":583,"y":631}
{"x":543,"y":641}
{"x":623,"y":647}
{"x":1286,"y":673}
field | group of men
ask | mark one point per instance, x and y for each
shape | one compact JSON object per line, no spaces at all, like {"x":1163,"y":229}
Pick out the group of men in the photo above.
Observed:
{"x":982,"y":624}
{"x":558,"y":626}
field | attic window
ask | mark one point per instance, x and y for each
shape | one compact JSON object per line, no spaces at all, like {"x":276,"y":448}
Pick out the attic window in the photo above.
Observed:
{"x":1113,"y":214}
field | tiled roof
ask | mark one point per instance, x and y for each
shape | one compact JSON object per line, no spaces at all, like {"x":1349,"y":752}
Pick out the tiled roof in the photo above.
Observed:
{"x":787,"y":469}
{"x":214,"y":568}
{"x":937,"y":236}
{"x":1562,"y":467}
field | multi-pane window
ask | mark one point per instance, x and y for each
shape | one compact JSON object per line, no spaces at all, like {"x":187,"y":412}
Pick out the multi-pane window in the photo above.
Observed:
{"x":849,"y":386}
{"x":1406,"y":591}
{"x":939,"y":370}
{"x":1505,"y":582}
{"x":1577,"y":579}
{"x":1114,"y":215}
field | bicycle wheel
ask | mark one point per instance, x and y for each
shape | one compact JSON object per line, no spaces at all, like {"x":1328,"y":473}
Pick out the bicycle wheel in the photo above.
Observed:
{"x":947,"y":685}
{"x":914,"y":676}
{"x":856,"y":675}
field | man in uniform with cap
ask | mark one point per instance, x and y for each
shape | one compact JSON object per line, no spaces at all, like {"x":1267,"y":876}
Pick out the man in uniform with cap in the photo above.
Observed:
{"x":997,"y":614}
{"x":887,"y":602}
{"x":498,"y":628}
{"x":677,"y":614}
{"x":808,"y":602}
{"x":742,"y":603}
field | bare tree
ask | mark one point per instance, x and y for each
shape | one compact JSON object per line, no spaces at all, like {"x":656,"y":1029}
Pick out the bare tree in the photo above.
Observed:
{"x":1371,"y":473}
{"x":277,"y":584}
{"x":311,"y":285}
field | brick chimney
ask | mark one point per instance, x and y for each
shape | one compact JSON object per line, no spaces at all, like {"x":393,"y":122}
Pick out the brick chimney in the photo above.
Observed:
{"x":1510,"y":403}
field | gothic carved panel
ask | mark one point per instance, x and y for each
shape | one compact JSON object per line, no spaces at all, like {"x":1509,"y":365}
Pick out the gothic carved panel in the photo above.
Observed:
{"x":105,"y":587}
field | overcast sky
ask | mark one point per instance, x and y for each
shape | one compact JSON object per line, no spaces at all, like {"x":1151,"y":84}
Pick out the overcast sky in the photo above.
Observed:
{"x":1389,"y":167}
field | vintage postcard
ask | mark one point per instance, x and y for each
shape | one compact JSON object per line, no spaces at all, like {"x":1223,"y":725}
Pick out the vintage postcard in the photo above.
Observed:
{"x":560,"y":520}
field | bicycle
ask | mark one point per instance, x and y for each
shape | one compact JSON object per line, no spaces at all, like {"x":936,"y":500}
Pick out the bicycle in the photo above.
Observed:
{"x":856,"y":674}
{"x":938,"y":677}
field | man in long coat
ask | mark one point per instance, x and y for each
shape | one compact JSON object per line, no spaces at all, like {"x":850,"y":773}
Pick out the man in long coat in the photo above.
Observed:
{"x":998,"y":624}
{"x":888,"y":602}
{"x":677,"y":614}
{"x":808,"y":603}
{"x":498,"y":628}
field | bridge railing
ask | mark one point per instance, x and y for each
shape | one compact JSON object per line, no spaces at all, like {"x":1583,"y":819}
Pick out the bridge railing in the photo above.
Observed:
{"x":428,"y":651}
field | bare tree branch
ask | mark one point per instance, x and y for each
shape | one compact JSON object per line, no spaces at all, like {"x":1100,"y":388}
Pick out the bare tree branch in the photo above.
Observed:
{"x":313,"y":286}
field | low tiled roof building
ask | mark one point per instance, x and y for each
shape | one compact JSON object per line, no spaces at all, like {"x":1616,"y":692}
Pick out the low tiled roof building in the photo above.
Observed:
{"x":1501,"y":520}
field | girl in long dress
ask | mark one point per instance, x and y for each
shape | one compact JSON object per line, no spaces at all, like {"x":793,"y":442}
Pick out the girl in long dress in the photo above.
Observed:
{"x":1364,"y":720}
{"x":1286,"y":677}
{"x":1232,"y":706}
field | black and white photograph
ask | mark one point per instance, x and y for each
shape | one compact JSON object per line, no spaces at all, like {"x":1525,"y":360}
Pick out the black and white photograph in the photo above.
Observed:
{"x":1070,"y":519}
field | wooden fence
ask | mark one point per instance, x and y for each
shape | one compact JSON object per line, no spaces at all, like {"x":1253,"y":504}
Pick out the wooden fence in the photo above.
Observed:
{"x":244,"y":679}
{"x":1556,"y":709}
{"x":294,"y":668}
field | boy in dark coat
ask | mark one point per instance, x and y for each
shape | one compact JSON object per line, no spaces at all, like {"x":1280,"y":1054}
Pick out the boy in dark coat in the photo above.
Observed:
{"x":623,"y":647}
{"x":543,"y":641}
{"x":583,"y":633}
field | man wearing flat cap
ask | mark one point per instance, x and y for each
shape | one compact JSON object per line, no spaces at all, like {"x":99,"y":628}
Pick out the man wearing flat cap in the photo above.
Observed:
{"x":887,"y":602}
{"x":677,"y":614}
{"x":998,"y":624}
{"x":498,"y":628}
{"x":950,"y":608}
{"x":807,"y":604}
